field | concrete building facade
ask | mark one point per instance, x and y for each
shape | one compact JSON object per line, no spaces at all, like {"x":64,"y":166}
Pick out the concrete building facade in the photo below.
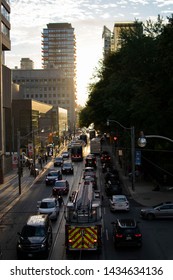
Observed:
{"x":112,"y":40}
{"x":5,"y":86}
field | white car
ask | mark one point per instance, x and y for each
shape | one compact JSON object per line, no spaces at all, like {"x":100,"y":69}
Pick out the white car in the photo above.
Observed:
{"x":119,"y":202}
{"x":49,"y":206}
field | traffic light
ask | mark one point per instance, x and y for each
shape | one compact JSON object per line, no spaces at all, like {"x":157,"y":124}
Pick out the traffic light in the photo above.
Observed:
{"x":115,"y":138}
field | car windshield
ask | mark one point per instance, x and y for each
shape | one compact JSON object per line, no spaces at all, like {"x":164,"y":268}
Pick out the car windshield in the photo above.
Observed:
{"x":47,"y":204}
{"x":53,"y":174}
{"x":67,"y":164}
{"x":65,"y":153}
{"x":30,"y":231}
{"x":58,"y":159}
{"x":59,"y":184}
{"x":119,"y":199}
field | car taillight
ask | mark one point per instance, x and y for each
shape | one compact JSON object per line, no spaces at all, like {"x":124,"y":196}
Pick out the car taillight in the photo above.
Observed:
{"x":138,"y":235}
{"x":119,"y":235}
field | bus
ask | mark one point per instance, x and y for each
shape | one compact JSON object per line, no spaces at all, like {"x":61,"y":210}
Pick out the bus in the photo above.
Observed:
{"x":76,"y":152}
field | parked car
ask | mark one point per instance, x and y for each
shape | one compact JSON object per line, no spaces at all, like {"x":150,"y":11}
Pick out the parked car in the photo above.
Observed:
{"x":35,"y":239}
{"x":58,"y":161}
{"x":60,"y":187}
{"x":119,"y":203}
{"x":126,"y":232}
{"x":67,"y":168}
{"x":90,"y":161}
{"x":34,"y":172}
{"x":52,"y":176}
{"x":65,"y":155}
{"x":162,"y":210}
{"x":49,"y":206}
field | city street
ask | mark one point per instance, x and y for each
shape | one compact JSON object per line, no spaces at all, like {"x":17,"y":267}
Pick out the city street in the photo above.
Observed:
{"x":157,"y":234}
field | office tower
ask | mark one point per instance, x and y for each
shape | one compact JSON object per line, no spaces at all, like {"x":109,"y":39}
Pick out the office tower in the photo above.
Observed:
{"x":59,"y":52}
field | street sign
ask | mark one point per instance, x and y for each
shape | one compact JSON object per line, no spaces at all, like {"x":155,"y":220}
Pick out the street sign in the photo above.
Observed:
{"x":138,"y":157}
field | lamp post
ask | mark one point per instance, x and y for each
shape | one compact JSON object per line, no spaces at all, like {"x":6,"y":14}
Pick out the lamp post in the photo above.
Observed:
{"x":19,"y":162}
{"x":142,"y":140}
{"x":132,"y":130}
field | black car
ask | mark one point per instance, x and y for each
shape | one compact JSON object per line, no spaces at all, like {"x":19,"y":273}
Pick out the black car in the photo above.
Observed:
{"x":65,"y":155}
{"x":60,"y":187}
{"x":105,"y":157}
{"x":67,"y":168}
{"x":113,"y":186}
{"x":35,"y":239}
{"x":126,"y":232}
{"x":52,"y":176}
{"x":58,"y":161}
{"x":90,"y":161}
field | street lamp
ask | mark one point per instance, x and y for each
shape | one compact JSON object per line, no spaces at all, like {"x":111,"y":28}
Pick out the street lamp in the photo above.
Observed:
{"x":142,"y":141}
{"x":132,"y":130}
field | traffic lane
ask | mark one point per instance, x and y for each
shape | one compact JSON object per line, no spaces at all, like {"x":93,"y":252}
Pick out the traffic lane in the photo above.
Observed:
{"x":157,"y":237}
{"x":14,"y":220}
{"x":59,"y":251}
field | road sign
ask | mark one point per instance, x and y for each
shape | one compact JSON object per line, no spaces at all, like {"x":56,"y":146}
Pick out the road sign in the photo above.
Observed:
{"x":138,"y":157}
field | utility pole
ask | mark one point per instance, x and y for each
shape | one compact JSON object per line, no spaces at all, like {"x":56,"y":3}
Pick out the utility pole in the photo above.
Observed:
{"x":132,"y":130}
{"x":19,"y":162}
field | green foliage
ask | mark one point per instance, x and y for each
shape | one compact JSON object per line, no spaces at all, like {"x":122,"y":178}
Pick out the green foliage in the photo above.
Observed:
{"x":135,"y":84}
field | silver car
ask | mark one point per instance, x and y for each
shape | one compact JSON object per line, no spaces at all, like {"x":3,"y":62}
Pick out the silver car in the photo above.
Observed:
{"x":49,"y":206}
{"x":119,"y":203}
{"x":162,"y":210}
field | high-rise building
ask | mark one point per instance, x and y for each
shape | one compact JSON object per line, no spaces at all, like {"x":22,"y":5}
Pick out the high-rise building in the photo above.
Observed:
{"x":59,"y":52}
{"x":26,"y":64}
{"x":113,"y":40}
{"x":5,"y":85}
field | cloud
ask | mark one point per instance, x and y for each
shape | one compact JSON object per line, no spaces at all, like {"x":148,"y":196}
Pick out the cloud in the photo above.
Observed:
{"x":29,"y":18}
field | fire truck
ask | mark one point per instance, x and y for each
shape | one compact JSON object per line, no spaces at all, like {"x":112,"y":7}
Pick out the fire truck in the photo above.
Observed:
{"x":83,"y":228}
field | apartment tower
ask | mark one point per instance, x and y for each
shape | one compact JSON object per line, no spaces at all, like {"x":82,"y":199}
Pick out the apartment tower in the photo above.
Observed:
{"x":59,"y":52}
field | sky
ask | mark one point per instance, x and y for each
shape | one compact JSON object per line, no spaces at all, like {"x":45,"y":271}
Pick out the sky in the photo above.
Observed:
{"x":28,"y":18}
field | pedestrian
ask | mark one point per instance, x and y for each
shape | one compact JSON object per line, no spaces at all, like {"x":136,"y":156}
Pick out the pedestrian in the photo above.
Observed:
{"x":46,"y":158}
{"x":60,"y":200}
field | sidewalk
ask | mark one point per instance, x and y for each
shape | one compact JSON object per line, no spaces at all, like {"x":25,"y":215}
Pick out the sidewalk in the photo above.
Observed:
{"x":143,"y":191}
{"x":9,"y":190}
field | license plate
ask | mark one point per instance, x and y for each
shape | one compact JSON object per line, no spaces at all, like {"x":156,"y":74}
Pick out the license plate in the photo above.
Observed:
{"x":128,"y":238}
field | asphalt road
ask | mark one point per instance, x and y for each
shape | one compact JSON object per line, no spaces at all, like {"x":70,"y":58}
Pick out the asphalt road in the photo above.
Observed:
{"x":157,"y":235}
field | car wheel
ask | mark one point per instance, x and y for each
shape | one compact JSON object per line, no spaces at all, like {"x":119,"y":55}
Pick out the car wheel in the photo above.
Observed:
{"x":150,"y":216}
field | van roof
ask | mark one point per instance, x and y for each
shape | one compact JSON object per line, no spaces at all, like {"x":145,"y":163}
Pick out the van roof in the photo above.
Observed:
{"x":37,"y":220}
